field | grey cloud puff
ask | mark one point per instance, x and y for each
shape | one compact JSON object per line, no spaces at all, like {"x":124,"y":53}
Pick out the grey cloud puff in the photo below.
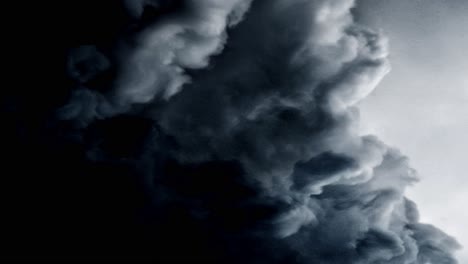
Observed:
{"x":155,"y":68}
{"x":275,"y":88}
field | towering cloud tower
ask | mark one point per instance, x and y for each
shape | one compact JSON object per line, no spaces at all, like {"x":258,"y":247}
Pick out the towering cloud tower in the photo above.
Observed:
{"x":208,"y":130}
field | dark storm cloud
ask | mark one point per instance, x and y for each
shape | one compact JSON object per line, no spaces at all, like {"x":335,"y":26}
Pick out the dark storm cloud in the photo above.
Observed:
{"x":165,"y":39}
{"x":223,"y":133}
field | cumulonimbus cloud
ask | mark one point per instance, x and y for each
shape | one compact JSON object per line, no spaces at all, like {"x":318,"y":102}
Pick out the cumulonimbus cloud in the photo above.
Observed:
{"x":245,"y":141}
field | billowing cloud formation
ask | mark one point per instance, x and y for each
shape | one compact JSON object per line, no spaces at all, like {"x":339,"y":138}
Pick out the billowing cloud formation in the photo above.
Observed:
{"x":228,"y":132}
{"x":171,"y":36}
